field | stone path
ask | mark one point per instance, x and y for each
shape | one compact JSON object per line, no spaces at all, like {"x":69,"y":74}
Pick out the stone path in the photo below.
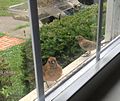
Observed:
{"x":12,"y":28}
{"x":13,"y":37}
{"x":8,"y":26}
{"x":7,"y":42}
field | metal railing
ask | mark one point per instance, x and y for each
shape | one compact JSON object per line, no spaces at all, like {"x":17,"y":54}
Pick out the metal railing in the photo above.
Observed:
{"x":34,"y":24}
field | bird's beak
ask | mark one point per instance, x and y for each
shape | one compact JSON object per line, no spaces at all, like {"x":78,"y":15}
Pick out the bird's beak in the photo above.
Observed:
{"x":53,"y":62}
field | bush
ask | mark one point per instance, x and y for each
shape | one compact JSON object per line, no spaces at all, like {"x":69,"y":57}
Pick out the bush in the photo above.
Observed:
{"x":58,"y":37}
{"x":12,"y":74}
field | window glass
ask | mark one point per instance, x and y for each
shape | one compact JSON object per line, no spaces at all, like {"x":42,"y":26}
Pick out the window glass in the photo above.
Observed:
{"x":68,"y":31}
{"x":16,"y":63}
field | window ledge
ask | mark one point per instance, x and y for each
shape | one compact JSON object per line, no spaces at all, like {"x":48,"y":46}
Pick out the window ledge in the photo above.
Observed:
{"x":73,"y":84}
{"x":67,"y":88}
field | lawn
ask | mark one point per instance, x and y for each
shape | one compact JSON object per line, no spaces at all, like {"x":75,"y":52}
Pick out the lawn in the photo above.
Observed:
{"x":4,"y":4}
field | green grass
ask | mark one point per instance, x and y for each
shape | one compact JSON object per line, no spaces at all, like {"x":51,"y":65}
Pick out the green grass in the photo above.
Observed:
{"x":1,"y":34}
{"x":4,"y":4}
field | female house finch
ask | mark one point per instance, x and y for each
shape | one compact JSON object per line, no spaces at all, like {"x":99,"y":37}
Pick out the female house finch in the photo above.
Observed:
{"x":85,"y":44}
{"x":51,"y":70}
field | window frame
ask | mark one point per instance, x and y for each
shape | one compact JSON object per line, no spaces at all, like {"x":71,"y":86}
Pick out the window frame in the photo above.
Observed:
{"x":81,"y":77}
{"x":62,"y":88}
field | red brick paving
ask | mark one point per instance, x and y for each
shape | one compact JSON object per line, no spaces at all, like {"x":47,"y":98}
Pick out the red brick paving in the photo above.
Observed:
{"x":7,"y":42}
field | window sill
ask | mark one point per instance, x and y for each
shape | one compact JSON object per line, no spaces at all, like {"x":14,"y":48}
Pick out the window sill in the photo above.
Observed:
{"x":78,"y":76}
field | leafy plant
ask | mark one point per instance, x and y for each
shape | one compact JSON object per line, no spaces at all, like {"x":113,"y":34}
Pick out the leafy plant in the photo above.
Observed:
{"x":58,"y":37}
{"x":12,"y":79}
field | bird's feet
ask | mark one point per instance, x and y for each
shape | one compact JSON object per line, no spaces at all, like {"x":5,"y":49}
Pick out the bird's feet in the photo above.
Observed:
{"x":86,"y":54}
{"x":47,"y":84}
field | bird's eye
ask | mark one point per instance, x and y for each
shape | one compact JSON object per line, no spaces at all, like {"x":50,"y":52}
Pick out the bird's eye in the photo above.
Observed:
{"x":49,"y":61}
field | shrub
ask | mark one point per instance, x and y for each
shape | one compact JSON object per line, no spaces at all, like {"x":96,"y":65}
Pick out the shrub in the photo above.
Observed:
{"x":58,"y":37}
{"x":12,"y":76}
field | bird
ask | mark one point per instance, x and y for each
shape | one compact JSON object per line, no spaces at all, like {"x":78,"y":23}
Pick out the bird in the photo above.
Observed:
{"x":86,"y":45}
{"x":52,"y":71}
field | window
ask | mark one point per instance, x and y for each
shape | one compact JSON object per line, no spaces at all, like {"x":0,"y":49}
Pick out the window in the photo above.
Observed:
{"x":71,"y":33}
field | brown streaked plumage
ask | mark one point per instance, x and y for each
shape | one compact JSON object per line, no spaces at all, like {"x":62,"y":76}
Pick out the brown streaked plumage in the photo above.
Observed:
{"x":85,"y":44}
{"x":52,"y":71}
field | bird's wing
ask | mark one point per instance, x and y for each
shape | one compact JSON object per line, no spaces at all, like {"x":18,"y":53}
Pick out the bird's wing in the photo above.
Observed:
{"x":88,"y":45}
